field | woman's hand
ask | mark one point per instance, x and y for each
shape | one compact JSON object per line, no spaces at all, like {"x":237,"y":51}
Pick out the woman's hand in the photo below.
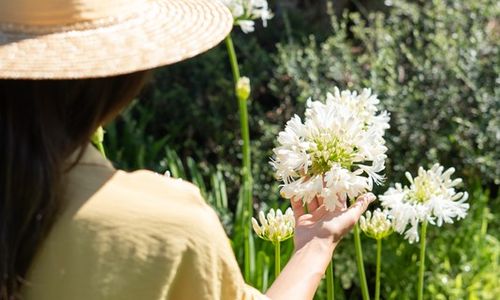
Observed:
{"x":316,"y":235}
{"x":323,"y":225}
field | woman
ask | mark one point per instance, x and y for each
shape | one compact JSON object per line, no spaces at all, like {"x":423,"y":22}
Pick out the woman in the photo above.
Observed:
{"x":73,"y":227}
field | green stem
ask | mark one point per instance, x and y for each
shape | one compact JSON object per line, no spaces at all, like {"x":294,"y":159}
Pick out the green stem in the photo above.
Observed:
{"x":359,"y":262}
{"x":330,"y":288}
{"x":100,"y":147}
{"x":233,"y":60}
{"x":277,"y":259}
{"x":423,"y":233}
{"x":377,"y":273}
{"x":484,"y":222}
{"x":246,"y":170}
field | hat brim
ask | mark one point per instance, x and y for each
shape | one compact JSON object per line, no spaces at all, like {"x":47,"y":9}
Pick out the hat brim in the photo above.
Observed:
{"x":167,"y":32}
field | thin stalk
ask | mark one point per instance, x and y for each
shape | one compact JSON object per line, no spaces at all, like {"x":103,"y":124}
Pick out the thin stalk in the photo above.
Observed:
{"x":233,"y":60}
{"x":484,"y":221}
{"x":246,"y":170}
{"x":359,"y":262}
{"x":100,"y":147}
{"x":97,"y":139}
{"x":377,"y":274}
{"x":277,"y":259}
{"x":330,"y":288}
{"x":423,"y":233}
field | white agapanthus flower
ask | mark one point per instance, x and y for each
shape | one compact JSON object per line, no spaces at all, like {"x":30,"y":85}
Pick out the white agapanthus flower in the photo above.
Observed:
{"x":276,"y":226}
{"x":338,"y":152}
{"x":246,"y":11}
{"x":430,"y":197}
{"x":376,"y":225}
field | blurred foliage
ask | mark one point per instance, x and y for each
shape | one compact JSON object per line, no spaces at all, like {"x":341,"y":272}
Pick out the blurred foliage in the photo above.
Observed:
{"x":435,"y":66}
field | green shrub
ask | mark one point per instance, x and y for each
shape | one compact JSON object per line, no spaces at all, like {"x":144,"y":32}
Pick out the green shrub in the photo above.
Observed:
{"x":434,"y":65}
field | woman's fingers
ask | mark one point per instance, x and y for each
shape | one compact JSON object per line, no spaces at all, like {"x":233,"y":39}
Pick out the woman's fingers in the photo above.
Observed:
{"x":319,"y":200}
{"x":342,"y":203}
{"x":312,"y":205}
{"x":348,"y":216}
{"x":297,"y":207}
{"x":352,"y":214}
{"x":319,"y":213}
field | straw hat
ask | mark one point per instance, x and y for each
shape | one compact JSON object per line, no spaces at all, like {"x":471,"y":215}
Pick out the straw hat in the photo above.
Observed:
{"x":63,"y":39}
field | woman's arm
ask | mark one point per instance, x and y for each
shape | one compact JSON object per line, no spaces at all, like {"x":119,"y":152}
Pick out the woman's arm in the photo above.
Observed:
{"x":317,"y":233}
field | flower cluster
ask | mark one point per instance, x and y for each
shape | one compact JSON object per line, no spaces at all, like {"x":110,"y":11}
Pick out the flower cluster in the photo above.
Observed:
{"x":338,"y":152}
{"x":246,"y":11}
{"x":430,"y":197}
{"x":276,"y":226}
{"x":377,"y":225}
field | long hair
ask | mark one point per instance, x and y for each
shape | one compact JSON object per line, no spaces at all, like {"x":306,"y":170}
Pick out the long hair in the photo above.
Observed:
{"x":42,"y":122}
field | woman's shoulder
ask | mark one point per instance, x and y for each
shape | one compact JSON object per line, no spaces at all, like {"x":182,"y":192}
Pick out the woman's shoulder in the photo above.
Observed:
{"x":140,"y":210}
{"x":94,"y":189}
{"x":153,"y":185}
{"x":145,"y":196}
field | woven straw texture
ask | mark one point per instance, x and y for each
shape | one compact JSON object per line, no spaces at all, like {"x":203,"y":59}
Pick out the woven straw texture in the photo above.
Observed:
{"x":161,"y":33}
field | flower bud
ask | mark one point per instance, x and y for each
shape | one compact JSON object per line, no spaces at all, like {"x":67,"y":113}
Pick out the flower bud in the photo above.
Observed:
{"x":377,"y":225}
{"x":243,"y":88}
{"x":98,"y":136}
{"x":276,"y":226}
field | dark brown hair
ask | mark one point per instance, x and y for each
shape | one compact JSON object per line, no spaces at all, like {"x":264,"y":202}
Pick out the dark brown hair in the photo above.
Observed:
{"x":42,"y":122}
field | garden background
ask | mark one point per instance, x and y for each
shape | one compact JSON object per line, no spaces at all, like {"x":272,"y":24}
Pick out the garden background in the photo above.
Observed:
{"x":435,"y":66}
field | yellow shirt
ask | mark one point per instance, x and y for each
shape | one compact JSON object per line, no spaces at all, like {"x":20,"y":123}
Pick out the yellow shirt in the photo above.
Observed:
{"x":134,"y":236}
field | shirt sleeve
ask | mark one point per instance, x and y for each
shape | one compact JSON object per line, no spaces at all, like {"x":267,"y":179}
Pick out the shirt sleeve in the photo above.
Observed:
{"x":209,"y":269}
{"x":201,"y":262}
